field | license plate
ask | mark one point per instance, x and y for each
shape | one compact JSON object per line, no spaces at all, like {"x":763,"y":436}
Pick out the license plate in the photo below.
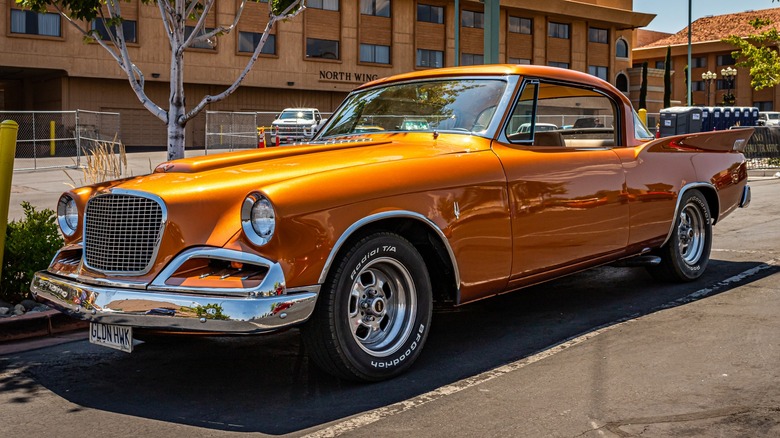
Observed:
{"x":111,"y":336}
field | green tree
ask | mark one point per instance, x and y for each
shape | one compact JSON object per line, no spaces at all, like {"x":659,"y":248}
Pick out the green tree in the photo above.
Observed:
{"x":643,"y":87}
{"x":668,"y":78}
{"x":758,"y":53}
{"x":174,"y":15}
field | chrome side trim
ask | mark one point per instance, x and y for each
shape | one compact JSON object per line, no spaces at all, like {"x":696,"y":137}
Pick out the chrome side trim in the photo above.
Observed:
{"x":679,"y":202}
{"x":163,"y":222}
{"x":745,"y":200}
{"x":388,"y":215}
{"x":172,"y":311}
{"x":273,"y":284}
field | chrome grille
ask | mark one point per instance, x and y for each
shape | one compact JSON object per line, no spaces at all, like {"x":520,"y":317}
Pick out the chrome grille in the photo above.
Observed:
{"x":122,"y":232}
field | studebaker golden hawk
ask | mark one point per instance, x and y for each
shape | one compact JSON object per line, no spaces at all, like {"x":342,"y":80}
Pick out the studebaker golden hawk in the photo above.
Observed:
{"x":454,"y":196}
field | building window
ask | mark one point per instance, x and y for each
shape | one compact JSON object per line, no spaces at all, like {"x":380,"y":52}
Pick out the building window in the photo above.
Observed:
{"x":621,"y":82}
{"x":522,"y":61}
{"x":699,"y":62}
{"x":328,"y":5}
{"x":380,"y":8}
{"x":764,"y":105}
{"x":697,"y":86}
{"x":720,"y":84}
{"x":200,"y":44}
{"x":375,"y":53}
{"x":596,"y":35}
{"x":726,"y":60}
{"x":325,"y":49}
{"x":558,"y":64}
{"x":128,"y":29}
{"x":520,"y":25}
{"x":621,"y":48}
{"x":660,"y":65}
{"x":471,"y":59}
{"x":33,"y":23}
{"x":598,"y":71}
{"x":558,"y":30}
{"x":430,"y":14}
{"x":472,"y":19}
{"x":247,"y":41}
{"x":430,"y":58}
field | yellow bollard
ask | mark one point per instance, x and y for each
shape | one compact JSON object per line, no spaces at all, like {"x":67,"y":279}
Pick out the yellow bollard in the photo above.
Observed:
{"x":52,"y":136}
{"x":642,"y":113}
{"x":8,"y":131}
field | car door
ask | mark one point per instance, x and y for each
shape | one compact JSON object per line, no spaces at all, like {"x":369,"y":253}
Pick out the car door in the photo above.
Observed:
{"x":566,"y":186}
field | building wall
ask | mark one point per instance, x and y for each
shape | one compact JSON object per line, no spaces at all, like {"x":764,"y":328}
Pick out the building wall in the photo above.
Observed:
{"x":63,"y":72}
{"x":711,"y":51}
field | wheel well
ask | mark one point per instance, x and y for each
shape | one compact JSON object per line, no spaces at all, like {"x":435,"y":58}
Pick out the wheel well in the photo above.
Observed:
{"x":427,"y":242}
{"x":713,"y":202}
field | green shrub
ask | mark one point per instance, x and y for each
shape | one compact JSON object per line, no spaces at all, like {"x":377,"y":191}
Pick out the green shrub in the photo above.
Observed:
{"x":30,"y":245}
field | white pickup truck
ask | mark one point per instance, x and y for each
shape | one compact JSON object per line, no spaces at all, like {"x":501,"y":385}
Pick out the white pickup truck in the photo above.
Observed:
{"x":295,"y":125}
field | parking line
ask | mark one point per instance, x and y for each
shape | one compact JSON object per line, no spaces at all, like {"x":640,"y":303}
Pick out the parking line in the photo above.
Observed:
{"x":375,"y":415}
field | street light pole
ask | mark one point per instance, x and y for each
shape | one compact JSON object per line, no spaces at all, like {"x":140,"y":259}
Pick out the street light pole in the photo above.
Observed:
{"x":708,"y":78}
{"x":729,"y":74}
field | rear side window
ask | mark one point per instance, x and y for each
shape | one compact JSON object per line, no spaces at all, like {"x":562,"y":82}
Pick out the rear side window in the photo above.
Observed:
{"x":563,"y":115}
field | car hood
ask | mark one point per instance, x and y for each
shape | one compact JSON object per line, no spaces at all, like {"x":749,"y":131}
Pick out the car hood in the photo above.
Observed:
{"x":212,"y":188}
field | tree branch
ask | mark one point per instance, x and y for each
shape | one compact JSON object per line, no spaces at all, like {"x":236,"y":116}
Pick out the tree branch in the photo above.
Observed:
{"x":198,"y":26}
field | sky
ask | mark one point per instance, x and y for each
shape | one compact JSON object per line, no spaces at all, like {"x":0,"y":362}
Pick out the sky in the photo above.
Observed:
{"x":672,"y":15}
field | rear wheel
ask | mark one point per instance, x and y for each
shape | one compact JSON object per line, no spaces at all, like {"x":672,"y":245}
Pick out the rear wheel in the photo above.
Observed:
{"x":373,"y":313}
{"x":686,"y":254}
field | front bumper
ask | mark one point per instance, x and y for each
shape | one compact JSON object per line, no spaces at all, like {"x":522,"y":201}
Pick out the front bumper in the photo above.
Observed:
{"x":172,"y":311}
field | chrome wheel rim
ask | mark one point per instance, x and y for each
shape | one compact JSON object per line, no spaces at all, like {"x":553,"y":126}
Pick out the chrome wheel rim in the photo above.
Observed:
{"x":691,"y":233}
{"x":382,"y":306}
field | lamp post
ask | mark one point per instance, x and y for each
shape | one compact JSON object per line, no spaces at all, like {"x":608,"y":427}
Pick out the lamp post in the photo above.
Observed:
{"x":708,"y":78}
{"x":729,"y":74}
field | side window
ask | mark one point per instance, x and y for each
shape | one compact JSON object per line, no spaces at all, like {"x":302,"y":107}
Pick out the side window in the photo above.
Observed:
{"x":563,"y":115}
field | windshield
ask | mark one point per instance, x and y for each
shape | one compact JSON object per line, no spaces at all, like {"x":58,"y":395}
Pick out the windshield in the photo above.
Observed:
{"x":461,"y":105}
{"x":290,"y":115}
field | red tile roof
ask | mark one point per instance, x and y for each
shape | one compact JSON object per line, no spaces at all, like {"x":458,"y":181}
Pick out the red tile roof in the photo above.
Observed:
{"x":715,"y":28}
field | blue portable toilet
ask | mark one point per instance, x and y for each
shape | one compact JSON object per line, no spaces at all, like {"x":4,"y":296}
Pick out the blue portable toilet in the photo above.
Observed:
{"x":747,"y":116}
{"x":717,"y":118}
{"x":727,"y":118}
{"x":754,"y":116}
{"x":737,"y":116}
{"x":706,"y":118}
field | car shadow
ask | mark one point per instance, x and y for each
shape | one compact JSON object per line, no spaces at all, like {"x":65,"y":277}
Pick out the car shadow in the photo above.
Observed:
{"x":267,"y":384}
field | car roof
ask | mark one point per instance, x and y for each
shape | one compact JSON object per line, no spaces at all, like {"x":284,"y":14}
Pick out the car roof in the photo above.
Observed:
{"x":495,"y":70}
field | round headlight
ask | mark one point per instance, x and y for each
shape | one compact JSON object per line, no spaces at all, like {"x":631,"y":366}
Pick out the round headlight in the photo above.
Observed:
{"x":67,"y":215}
{"x":258,"y":218}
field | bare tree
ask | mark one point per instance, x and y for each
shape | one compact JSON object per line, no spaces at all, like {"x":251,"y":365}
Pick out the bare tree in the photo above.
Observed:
{"x":174,"y":15}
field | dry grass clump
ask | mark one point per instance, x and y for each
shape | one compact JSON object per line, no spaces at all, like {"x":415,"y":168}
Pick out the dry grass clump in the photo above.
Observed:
{"x":102,"y":163}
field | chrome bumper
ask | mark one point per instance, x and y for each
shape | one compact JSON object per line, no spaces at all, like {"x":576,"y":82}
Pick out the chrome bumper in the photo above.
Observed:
{"x":166,"y":311}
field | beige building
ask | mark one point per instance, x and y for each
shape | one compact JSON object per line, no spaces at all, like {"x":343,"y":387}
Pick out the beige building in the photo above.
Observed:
{"x":313,"y":60}
{"x":708,"y":53}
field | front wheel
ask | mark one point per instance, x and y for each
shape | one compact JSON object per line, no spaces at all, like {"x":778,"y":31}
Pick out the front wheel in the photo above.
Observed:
{"x":373,"y":314}
{"x":686,"y":254}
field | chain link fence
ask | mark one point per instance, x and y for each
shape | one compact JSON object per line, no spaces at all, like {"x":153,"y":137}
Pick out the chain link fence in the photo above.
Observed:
{"x":59,"y":139}
{"x":228,"y":131}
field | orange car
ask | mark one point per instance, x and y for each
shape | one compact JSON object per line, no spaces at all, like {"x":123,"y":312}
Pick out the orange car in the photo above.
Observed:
{"x":355,"y":236}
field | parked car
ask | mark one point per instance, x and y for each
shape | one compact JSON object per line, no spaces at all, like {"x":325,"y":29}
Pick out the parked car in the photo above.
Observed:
{"x":355,"y":236}
{"x":526,"y":127}
{"x":769,"y":118}
{"x":295,"y":125}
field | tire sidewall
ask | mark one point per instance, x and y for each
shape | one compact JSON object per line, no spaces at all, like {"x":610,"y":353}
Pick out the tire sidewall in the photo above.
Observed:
{"x":366,"y":365}
{"x":685,"y":270}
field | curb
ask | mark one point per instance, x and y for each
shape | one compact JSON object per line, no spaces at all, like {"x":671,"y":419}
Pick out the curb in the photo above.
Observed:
{"x":37,"y":324}
{"x":763,"y":173}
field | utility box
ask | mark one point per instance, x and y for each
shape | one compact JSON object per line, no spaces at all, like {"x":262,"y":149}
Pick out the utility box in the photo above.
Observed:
{"x":680,"y":120}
